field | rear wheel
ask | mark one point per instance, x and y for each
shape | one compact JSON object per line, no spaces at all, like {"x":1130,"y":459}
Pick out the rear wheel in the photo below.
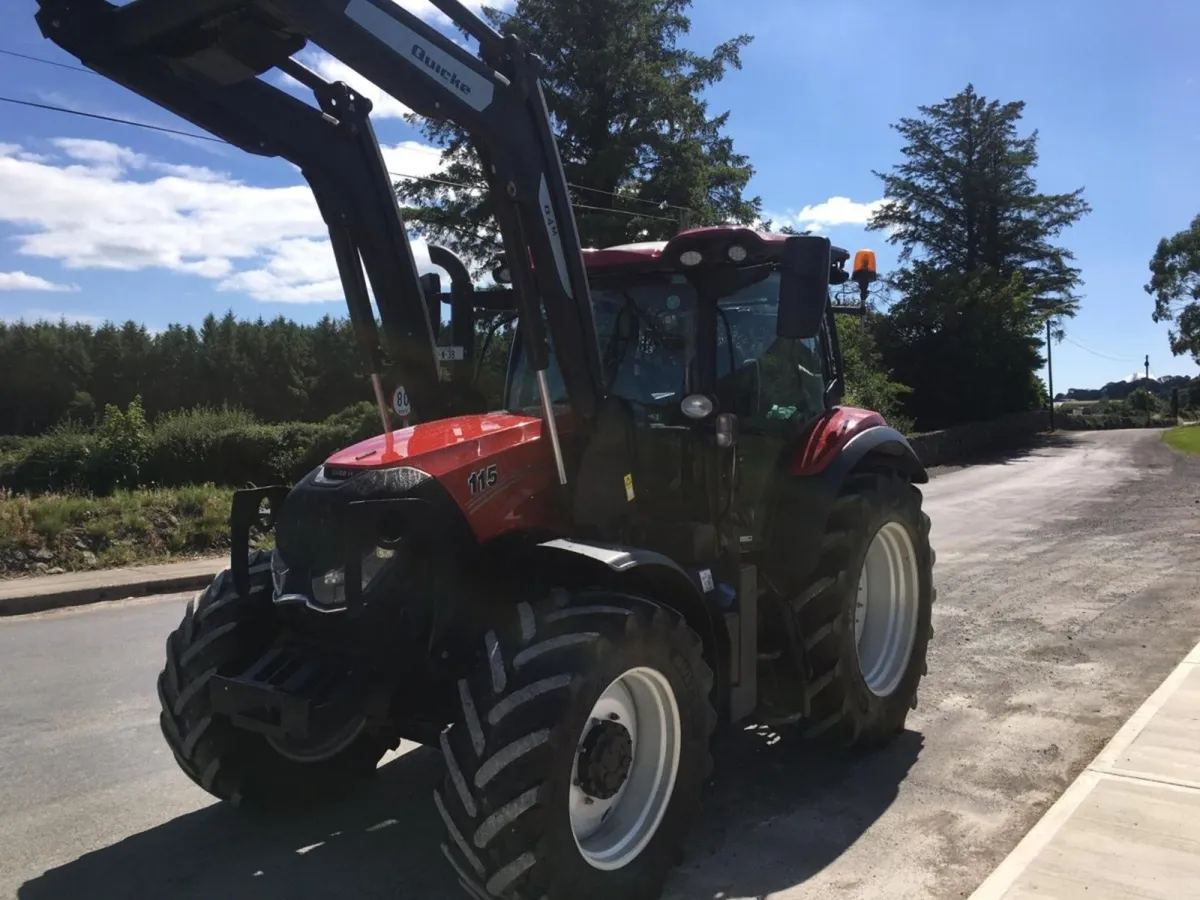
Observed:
{"x":222,"y":633}
{"x":865,"y":617}
{"x":578,"y":763}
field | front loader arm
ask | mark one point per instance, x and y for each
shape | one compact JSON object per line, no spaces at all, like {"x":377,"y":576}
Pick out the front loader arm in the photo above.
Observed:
{"x":205,"y":60}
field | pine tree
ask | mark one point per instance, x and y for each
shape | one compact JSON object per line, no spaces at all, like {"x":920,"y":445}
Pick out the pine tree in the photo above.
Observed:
{"x":982,"y":270}
{"x":636,"y":138}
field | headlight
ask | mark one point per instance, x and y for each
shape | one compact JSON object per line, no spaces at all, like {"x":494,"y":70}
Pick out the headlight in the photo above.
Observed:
{"x":330,"y":589}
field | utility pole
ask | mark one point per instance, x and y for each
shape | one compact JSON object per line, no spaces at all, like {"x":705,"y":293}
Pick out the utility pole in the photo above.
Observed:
{"x":1147,"y":366}
{"x":1050,"y":372}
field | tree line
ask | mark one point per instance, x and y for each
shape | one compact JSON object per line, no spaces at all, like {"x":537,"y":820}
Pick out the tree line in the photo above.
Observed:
{"x":957,"y":335}
{"x":278,"y":370}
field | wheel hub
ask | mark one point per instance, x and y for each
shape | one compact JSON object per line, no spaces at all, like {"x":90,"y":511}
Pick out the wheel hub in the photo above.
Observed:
{"x":605,"y":758}
{"x":625,"y":767}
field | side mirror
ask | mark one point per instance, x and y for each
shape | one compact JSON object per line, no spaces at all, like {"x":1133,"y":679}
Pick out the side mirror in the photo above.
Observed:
{"x":803,"y":286}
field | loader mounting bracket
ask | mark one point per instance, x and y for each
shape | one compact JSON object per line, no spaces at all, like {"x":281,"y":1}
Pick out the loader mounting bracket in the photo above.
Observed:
{"x":253,"y":509}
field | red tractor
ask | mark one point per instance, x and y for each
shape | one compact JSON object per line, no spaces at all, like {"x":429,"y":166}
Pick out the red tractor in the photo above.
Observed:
{"x":671,"y":524}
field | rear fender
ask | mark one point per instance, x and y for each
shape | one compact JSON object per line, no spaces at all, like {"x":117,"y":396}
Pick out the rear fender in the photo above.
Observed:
{"x":651,"y":575}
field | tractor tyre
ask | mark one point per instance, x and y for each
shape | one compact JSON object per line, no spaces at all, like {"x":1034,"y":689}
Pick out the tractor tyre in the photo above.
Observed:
{"x":865,"y":615}
{"x":578,"y":761}
{"x":222,"y":633}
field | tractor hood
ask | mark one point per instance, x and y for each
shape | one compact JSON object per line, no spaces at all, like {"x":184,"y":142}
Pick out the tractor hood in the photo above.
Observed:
{"x":483,"y":474}
{"x":440,"y":447}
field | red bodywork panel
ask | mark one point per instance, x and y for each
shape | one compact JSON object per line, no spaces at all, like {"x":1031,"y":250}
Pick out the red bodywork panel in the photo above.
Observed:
{"x":525,"y":494}
{"x":631,"y":254}
{"x":827,"y":438}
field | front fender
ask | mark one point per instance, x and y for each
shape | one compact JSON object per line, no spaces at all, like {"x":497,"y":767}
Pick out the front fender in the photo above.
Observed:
{"x":842,"y":438}
{"x":883,"y":444}
{"x":811,"y":478}
{"x":653,"y":576}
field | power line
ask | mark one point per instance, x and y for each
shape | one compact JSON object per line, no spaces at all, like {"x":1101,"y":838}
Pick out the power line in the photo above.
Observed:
{"x":202,"y":137}
{"x":663,"y":205}
{"x":624,"y":212}
{"x":48,"y":62}
{"x":119,"y":121}
{"x":1125,"y":359}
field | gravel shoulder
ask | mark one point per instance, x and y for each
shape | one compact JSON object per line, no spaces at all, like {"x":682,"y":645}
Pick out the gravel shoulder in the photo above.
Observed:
{"x":1069,"y":586}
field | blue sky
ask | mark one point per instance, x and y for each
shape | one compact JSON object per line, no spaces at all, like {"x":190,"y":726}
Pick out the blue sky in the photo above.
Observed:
{"x":101,"y":220}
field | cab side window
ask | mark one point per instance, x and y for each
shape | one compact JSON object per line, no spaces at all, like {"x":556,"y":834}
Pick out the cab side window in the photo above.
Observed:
{"x":769,"y":381}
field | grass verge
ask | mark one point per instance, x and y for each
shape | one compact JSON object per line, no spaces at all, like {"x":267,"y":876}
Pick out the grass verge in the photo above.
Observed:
{"x":1184,"y":437}
{"x":53,"y":533}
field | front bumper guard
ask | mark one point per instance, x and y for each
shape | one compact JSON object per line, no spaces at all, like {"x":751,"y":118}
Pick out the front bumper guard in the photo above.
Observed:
{"x":291,"y":693}
{"x":364,"y":524}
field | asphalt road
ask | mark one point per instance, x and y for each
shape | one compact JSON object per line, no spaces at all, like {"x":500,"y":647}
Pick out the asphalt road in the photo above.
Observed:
{"x":1069,"y":586}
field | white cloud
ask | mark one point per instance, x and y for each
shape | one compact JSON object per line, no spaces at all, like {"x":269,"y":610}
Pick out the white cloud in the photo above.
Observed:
{"x":50,"y":315}
{"x":104,"y":206}
{"x":99,"y":153}
{"x":23,"y":281}
{"x":413,"y":158}
{"x":832,"y":213}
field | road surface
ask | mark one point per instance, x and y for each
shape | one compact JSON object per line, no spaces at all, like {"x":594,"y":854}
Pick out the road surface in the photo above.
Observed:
{"x":1068,"y":580}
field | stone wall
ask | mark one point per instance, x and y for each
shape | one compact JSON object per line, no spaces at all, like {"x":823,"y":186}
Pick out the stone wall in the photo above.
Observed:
{"x":960,"y":443}
{"x":1105,"y":421}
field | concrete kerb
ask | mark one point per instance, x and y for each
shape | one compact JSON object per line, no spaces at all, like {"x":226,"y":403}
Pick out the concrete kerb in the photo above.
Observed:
{"x":1002,"y":879}
{"x":21,"y":596}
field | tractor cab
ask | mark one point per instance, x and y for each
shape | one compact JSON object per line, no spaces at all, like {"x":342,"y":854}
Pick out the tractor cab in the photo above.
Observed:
{"x":718,"y":347}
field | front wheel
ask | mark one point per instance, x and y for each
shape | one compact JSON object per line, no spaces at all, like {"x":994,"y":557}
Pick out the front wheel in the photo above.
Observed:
{"x":222,"y":633}
{"x":577,"y":765}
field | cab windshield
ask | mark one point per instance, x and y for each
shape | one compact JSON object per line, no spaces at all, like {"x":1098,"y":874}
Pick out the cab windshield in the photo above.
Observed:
{"x":647,"y":327}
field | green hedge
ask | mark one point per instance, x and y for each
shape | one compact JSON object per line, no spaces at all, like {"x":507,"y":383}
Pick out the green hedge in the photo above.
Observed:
{"x":193,"y":447}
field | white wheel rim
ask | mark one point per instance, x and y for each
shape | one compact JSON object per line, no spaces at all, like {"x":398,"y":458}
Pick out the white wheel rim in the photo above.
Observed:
{"x":887,"y":608}
{"x":610,"y":833}
{"x":321,"y":750}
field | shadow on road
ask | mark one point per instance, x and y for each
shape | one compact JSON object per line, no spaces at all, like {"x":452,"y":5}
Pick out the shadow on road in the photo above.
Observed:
{"x":778,"y":812}
{"x":384,"y":839}
{"x":1013,"y":452}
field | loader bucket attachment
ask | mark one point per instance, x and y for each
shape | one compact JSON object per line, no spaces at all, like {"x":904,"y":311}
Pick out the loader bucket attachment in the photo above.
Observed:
{"x":218,"y":64}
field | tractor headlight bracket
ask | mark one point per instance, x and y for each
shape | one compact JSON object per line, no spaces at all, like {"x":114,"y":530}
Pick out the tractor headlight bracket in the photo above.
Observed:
{"x":252,"y":509}
{"x":372,"y":530}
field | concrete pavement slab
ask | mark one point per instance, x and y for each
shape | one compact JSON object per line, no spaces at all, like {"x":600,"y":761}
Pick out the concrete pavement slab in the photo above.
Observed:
{"x":28,"y":595}
{"x":1129,"y":827}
